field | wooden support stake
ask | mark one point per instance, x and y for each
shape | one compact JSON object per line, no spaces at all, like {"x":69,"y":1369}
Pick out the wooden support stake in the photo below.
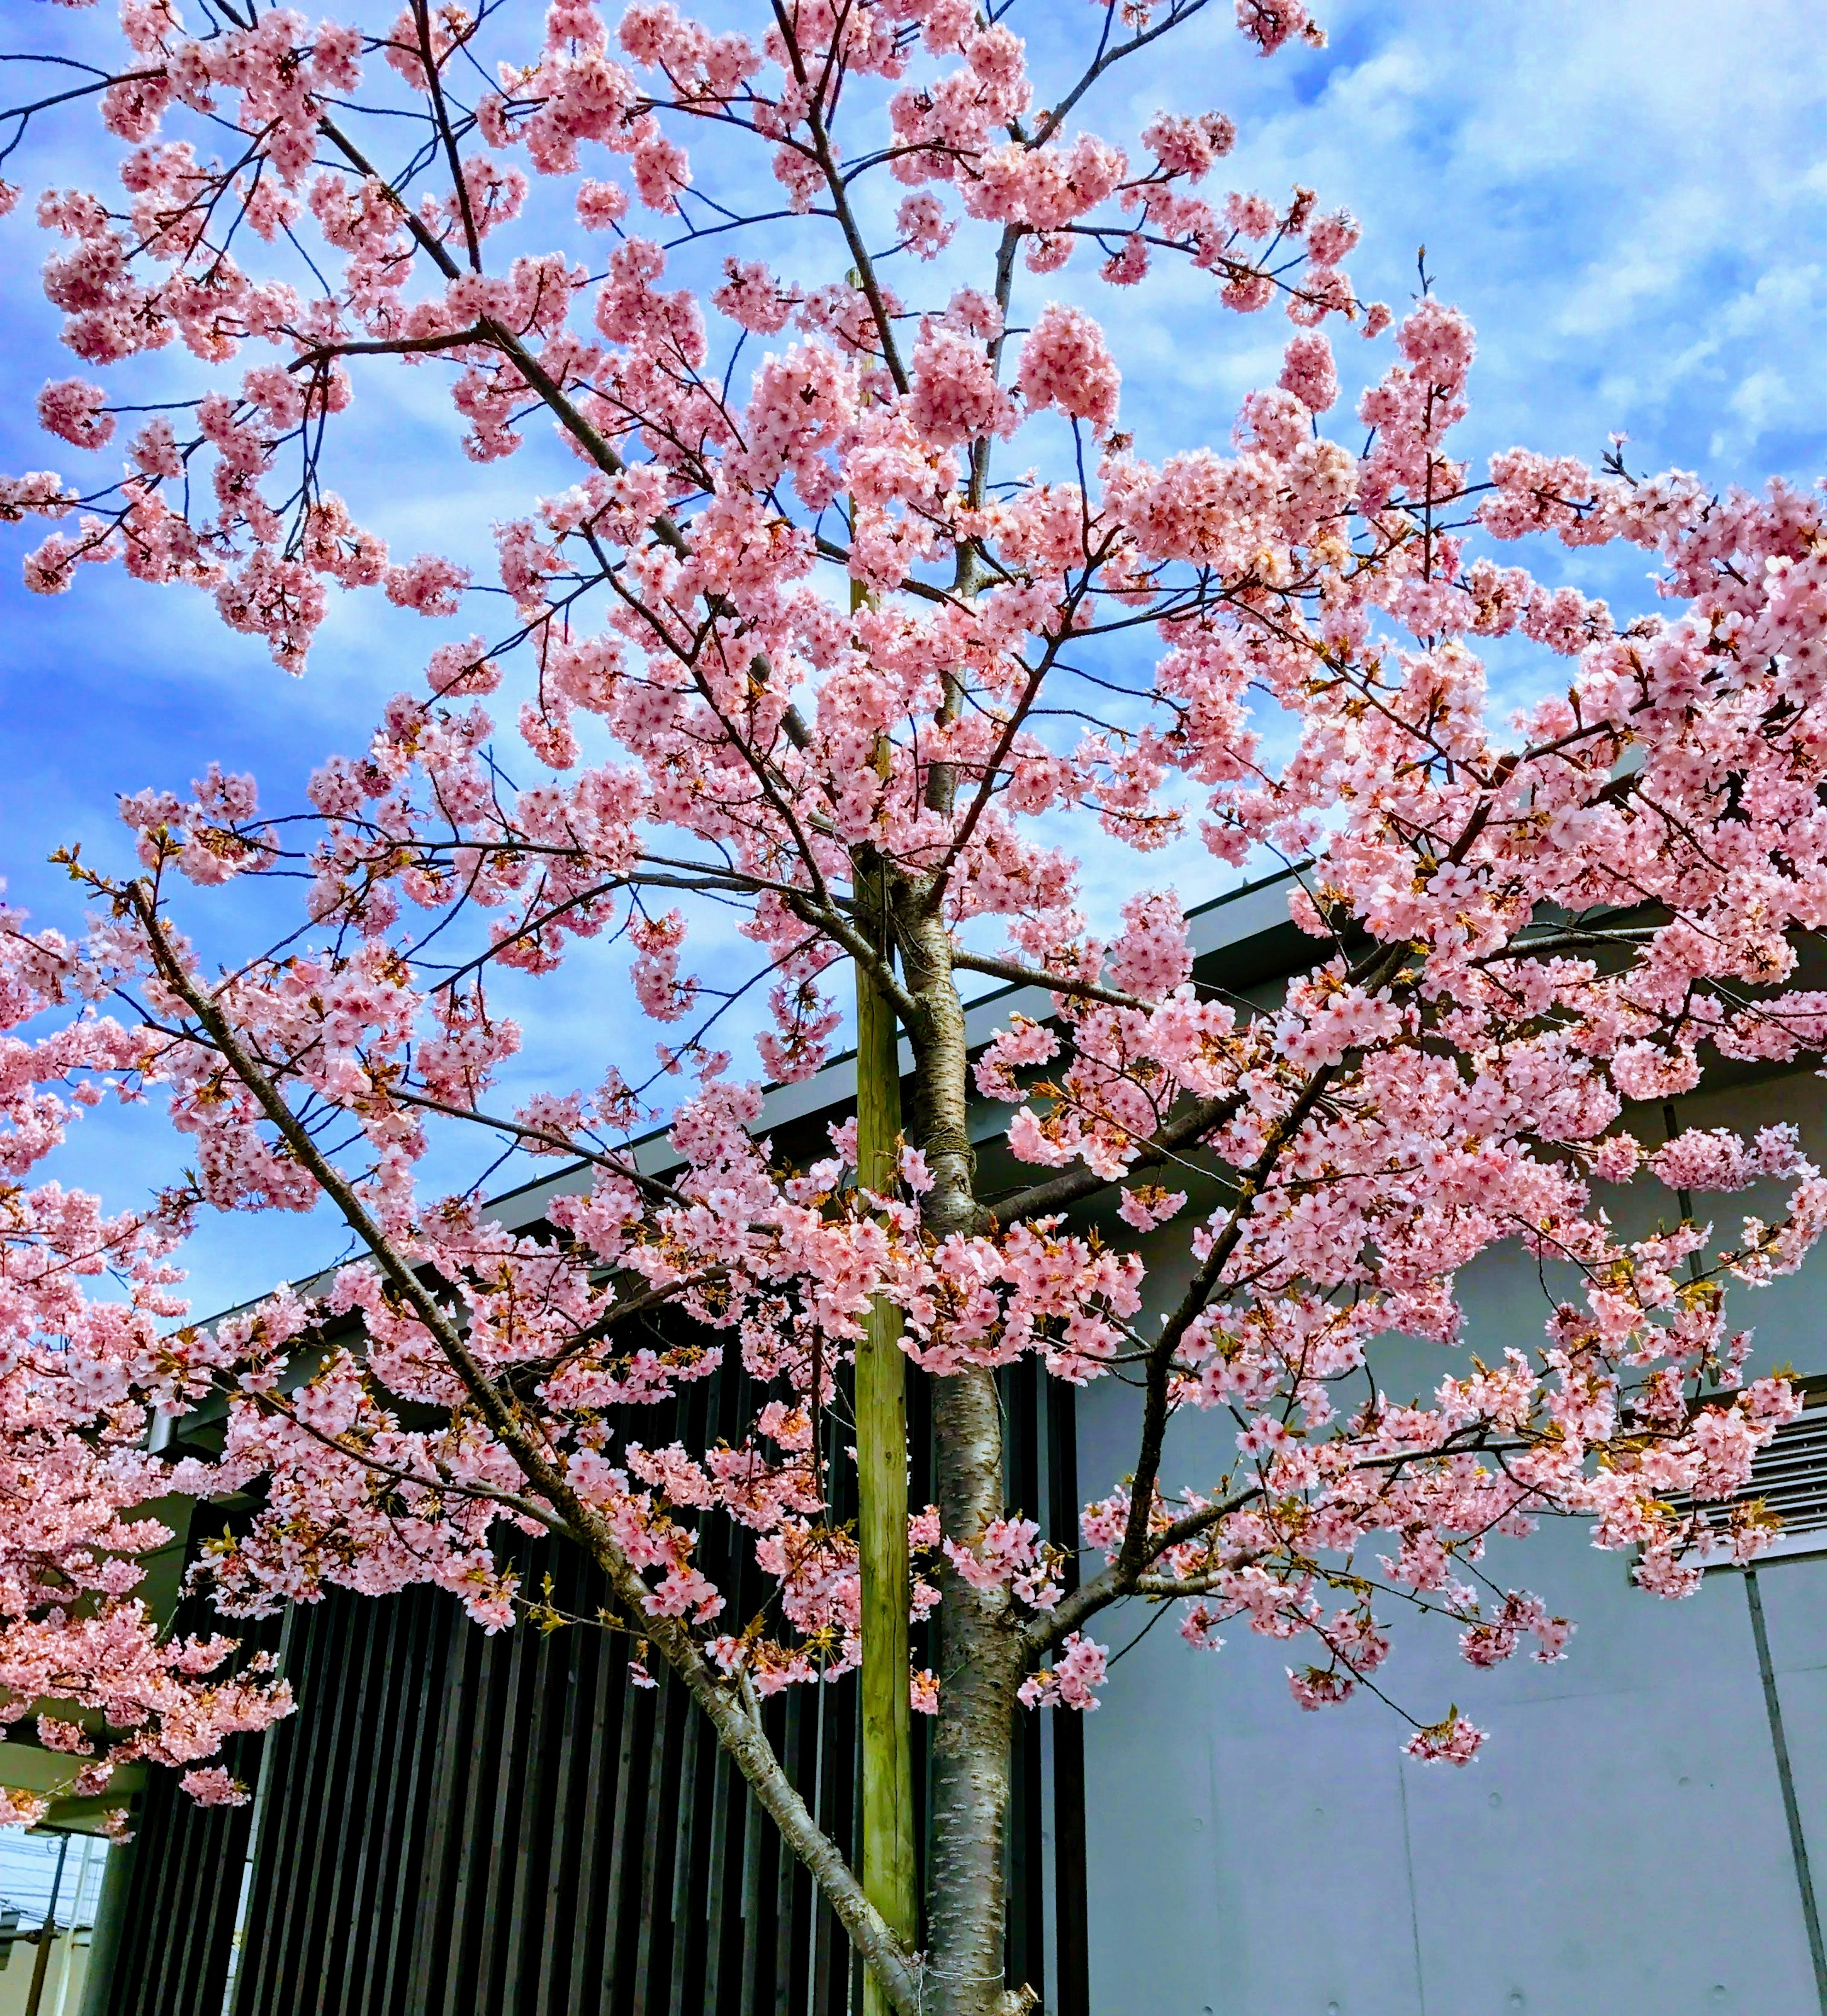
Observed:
{"x":890,"y":1878}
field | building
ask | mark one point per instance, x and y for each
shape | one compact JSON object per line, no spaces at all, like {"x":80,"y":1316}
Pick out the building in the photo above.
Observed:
{"x":453,"y":1822}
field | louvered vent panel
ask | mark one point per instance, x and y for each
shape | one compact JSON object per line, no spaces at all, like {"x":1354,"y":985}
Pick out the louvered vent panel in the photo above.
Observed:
{"x":1790,"y":1476}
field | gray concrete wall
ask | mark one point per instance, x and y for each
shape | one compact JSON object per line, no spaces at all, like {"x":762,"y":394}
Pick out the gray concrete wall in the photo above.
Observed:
{"x":1621,"y":1846}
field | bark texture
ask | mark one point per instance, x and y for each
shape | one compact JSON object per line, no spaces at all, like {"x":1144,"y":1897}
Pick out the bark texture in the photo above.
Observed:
{"x":980,"y":1653}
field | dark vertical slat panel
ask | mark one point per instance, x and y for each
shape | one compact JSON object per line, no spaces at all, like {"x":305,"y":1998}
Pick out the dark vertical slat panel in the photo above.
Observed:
{"x":630,"y":1790}
{"x":406,"y":1815}
{"x":839,"y":1819}
{"x":167,"y":1890}
{"x":856,"y":1835}
{"x":468,"y":1876}
{"x":335,"y":1963}
{"x":589,"y":1979}
{"x":653,"y":1938}
{"x":466,"y":1871}
{"x":561,"y":1927}
{"x":138,"y":1954}
{"x":765,"y":1919}
{"x":317,"y":1732}
{"x":253,"y":1986}
{"x":283,"y":1935}
{"x":289,"y":1798}
{"x":512,"y":1705}
{"x":789,"y":1957}
{"x":684,"y":1924}
{"x":525,"y":1877}
{"x":381,"y":1757}
{"x":431,"y":1919}
{"x":189,"y":1893}
{"x":345,"y":1956}
{"x":723,"y":1927}
{"x":646,"y":1864}
{"x":256,"y":1991}
{"x":818,"y":1963}
{"x":251,"y":1974}
{"x":455,"y":1823}
{"x":177,"y":1918}
{"x":751,"y":1965}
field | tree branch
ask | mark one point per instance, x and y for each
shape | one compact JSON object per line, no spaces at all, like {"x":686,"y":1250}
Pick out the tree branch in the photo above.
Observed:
{"x":1074,"y":1186}
{"x":753,"y":1755}
{"x":1073,"y":1611}
{"x":1055,"y":983}
{"x":1133,"y":1557}
{"x":1050,"y":122}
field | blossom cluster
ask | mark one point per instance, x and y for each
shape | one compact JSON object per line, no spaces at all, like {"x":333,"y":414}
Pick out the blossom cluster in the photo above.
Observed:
{"x":779,"y":641}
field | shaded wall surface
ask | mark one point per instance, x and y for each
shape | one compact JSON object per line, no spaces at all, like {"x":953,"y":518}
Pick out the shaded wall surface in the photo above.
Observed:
{"x":455,"y":1821}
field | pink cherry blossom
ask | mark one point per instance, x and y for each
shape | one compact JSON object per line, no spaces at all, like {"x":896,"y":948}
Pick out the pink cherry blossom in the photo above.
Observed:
{"x":803,"y":664}
{"x":1064,"y":363}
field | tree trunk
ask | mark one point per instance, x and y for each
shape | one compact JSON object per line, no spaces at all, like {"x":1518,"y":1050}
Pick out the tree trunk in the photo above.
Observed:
{"x":980,"y":1657}
{"x":979,"y":1671}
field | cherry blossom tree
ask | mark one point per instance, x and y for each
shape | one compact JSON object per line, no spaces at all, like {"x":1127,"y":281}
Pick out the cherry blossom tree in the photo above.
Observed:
{"x":791,"y":642}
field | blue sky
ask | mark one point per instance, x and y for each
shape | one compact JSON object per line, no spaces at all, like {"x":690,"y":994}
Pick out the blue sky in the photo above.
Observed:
{"x":1629,"y":199}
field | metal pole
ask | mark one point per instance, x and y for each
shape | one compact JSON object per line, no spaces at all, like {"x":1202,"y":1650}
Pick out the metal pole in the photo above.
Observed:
{"x":47,"y":1933}
{"x":1792,"y":1811}
{"x":64,"y":1979}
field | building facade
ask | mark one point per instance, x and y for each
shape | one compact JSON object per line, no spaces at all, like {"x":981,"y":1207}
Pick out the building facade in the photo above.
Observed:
{"x":454,"y":1823}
